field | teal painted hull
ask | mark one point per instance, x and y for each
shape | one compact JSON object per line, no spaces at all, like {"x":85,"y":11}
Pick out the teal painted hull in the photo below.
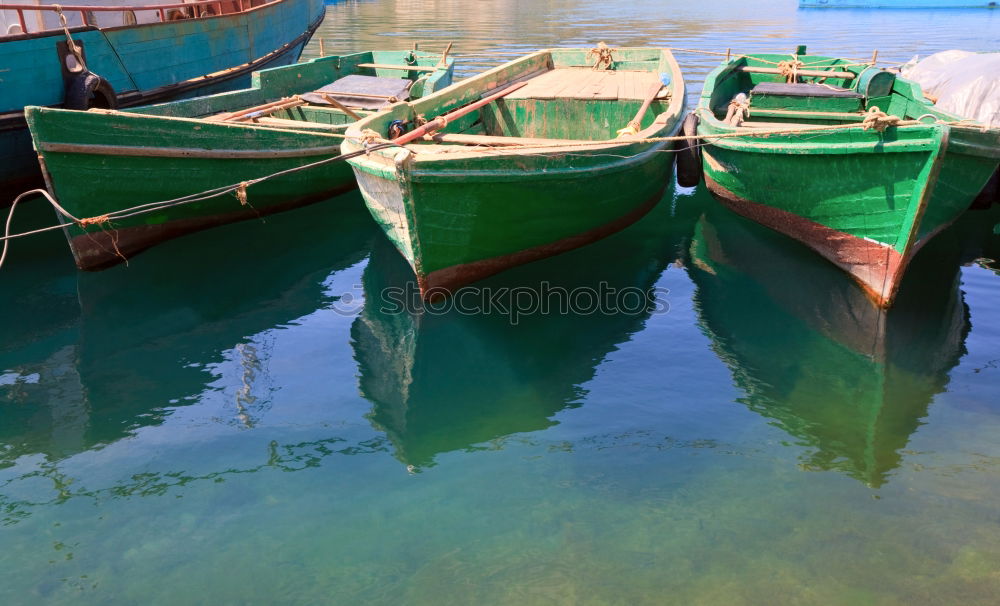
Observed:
{"x":144,"y":64}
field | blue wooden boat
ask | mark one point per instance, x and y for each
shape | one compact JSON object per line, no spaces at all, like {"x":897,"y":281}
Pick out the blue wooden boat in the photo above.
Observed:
{"x":898,"y":4}
{"x":133,"y":55}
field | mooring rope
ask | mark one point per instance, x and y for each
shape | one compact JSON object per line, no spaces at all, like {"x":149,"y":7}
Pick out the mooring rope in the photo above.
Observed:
{"x":70,"y":43}
{"x":878,"y":120}
{"x":603,"y":53}
{"x":790,"y":70}
{"x":830,"y":61}
{"x":875,"y":120}
{"x":239,"y":189}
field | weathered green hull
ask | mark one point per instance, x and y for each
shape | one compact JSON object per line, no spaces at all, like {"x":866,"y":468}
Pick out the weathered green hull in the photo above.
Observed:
{"x":865,"y":200}
{"x":469,"y":224}
{"x":101,"y":162}
{"x":459,"y":215}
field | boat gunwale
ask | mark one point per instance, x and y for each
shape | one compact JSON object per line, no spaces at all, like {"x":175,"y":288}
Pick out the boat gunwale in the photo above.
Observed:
{"x":706,"y":112}
{"x":135,"y":98}
{"x":200,"y":122}
{"x":150,"y":8}
{"x":668,"y":126}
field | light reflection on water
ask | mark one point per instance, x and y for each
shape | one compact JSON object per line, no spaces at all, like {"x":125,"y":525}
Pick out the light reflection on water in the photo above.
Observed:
{"x":184,"y":431}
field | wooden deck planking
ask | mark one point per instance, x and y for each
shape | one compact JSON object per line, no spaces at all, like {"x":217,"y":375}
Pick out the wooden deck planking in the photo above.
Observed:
{"x":576,"y":83}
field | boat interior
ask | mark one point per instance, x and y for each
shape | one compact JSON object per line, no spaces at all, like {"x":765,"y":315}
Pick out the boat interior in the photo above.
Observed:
{"x":769,"y":91}
{"x":564,"y":98}
{"x":573,"y":103}
{"x":328,"y":94}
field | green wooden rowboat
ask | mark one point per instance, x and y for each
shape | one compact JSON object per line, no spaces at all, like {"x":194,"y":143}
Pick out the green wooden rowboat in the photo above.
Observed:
{"x":522,"y":178}
{"x":864,"y":193}
{"x":100,"y":161}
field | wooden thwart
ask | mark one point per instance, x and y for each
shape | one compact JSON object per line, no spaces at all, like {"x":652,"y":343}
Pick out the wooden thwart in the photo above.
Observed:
{"x":819,"y":73}
{"x":497,"y":141}
{"x":258,"y":110}
{"x":302,"y":125}
{"x":409,"y":68}
{"x":791,"y":113}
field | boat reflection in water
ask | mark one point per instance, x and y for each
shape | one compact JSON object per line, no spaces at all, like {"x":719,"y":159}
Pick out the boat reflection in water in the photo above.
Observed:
{"x":149,"y":338}
{"x":470,"y":376}
{"x":849,"y":381}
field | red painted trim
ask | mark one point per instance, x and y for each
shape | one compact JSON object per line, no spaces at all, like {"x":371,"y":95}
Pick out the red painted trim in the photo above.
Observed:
{"x":452,"y":278}
{"x":878,"y":268}
{"x":98,"y":250}
{"x":67,"y":8}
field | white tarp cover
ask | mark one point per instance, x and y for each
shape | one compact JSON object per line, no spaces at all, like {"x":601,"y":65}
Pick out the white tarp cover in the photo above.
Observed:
{"x":964,"y":83}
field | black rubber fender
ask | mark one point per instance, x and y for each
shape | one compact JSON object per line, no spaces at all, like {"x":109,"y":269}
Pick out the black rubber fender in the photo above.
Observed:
{"x":88,"y":90}
{"x":689,"y":154}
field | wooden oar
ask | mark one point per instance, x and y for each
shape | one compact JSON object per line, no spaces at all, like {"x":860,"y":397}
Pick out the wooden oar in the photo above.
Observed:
{"x":632,"y":127}
{"x":278,"y":105}
{"x":442,"y":121}
{"x":339,"y":106}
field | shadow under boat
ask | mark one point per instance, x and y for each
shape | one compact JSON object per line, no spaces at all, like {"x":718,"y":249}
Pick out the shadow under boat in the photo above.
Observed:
{"x":147,"y":335}
{"x":982,"y":246}
{"x":460,"y":374}
{"x":848,"y":380}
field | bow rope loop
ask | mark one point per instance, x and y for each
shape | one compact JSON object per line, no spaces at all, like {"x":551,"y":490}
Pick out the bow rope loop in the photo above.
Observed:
{"x":603,"y":53}
{"x":370,"y":138}
{"x":878,"y":120}
{"x":790,"y":70}
{"x":70,"y":43}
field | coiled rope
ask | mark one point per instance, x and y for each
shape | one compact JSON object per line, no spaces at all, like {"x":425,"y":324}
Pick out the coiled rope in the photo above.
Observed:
{"x":878,"y":120}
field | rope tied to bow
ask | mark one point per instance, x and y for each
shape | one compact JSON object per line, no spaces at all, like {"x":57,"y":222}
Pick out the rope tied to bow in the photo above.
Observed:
{"x":878,"y":120}
{"x":603,"y":53}
{"x":370,"y":138}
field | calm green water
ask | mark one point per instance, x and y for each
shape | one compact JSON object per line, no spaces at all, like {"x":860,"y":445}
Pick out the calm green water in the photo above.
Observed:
{"x":236,"y":417}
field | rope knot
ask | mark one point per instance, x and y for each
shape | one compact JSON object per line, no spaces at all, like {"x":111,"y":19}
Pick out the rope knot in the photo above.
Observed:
{"x":790,"y":70}
{"x":369,"y":138}
{"x":241,"y":193}
{"x":98,"y":220}
{"x":603,"y":53}
{"x":739,"y":110}
{"x":878,"y":120}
